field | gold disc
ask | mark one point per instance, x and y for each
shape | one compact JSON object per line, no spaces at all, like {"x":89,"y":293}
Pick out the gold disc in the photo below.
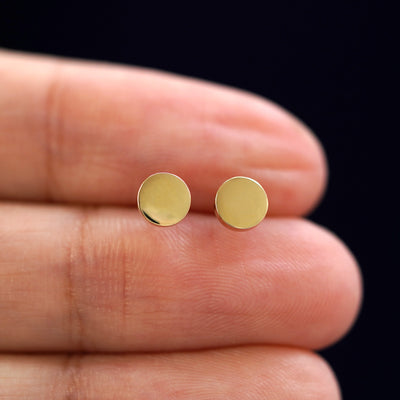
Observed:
{"x":241,"y":203}
{"x":164,"y":199}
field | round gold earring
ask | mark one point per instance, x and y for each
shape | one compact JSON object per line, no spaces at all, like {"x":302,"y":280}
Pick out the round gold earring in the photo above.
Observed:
{"x":241,"y":203}
{"x":164,"y":199}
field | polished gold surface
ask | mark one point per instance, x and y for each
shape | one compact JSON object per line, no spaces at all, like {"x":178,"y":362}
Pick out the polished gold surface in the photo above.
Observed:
{"x":164,"y":199}
{"x":241,"y":203}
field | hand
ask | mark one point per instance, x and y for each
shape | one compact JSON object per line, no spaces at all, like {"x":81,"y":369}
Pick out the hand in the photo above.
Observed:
{"x":127,"y":310}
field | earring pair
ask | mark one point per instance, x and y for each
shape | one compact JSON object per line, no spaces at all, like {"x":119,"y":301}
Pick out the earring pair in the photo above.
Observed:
{"x":240,"y":203}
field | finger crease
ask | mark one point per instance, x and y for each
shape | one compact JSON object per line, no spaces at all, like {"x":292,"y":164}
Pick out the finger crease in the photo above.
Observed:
{"x":72,"y":373}
{"x":52,"y":129}
{"x":76,"y":256}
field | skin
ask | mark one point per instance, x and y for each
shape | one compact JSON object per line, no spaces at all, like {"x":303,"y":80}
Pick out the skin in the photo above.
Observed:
{"x":96,"y":303}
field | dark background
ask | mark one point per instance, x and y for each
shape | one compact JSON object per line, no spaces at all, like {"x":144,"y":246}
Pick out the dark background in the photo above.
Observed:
{"x":331,"y":63}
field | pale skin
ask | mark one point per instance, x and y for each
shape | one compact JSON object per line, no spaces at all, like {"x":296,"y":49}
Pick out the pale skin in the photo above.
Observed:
{"x":97,"y":304}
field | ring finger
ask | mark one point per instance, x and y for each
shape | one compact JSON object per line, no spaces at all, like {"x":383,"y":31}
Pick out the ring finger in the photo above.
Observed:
{"x":235,"y":374}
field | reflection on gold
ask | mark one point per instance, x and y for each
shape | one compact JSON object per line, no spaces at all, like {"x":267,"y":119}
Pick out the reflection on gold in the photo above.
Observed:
{"x":164,"y":199}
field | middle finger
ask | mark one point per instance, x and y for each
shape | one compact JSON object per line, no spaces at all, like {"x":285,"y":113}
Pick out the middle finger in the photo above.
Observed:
{"x":106,"y":280}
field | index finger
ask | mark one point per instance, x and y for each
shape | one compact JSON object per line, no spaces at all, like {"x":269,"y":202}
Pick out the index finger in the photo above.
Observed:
{"x":91,"y":133}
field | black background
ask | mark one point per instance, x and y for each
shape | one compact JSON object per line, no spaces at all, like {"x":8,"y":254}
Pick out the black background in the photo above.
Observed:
{"x":331,"y":63}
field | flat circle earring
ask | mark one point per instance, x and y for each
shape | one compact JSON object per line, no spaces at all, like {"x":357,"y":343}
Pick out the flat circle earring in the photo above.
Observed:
{"x":164,"y":199}
{"x":241,"y":203}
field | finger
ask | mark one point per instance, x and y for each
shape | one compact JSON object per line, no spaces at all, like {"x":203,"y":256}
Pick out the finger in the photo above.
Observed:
{"x":242,"y":373}
{"x":106,"y":280}
{"x":85,"y":132}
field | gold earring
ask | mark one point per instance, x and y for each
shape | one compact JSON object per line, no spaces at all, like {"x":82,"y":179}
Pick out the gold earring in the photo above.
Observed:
{"x":164,"y":199}
{"x":241,"y":203}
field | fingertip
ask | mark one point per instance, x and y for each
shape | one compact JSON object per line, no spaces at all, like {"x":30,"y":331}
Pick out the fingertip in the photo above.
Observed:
{"x":340,"y":294}
{"x":290,"y":160}
{"x":310,"y":167}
